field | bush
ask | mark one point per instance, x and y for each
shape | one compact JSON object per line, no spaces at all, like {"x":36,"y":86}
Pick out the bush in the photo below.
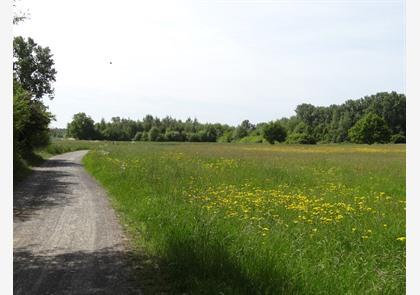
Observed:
{"x":274,"y":131}
{"x":174,"y":136}
{"x":154,"y":134}
{"x":370,"y":129}
{"x":300,"y":138}
{"x":20,"y":168}
{"x":397,"y":138}
{"x":30,"y":121}
{"x":239,"y":132}
{"x":252,"y":139}
{"x":226,"y":137}
{"x":301,"y":135}
{"x":193,"y":137}
{"x":138,"y":136}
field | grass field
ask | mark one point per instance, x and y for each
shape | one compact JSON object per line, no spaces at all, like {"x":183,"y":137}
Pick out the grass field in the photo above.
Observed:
{"x":261,"y":219}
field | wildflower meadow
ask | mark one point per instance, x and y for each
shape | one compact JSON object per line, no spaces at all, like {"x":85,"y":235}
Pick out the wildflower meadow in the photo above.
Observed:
{"x":260,"y":219}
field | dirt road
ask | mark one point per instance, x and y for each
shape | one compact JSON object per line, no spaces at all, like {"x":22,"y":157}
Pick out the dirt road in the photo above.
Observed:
{"x":67,"y":239}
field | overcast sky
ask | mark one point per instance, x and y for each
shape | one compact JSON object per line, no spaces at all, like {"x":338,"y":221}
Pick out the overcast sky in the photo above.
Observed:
{"x":218,"y":61}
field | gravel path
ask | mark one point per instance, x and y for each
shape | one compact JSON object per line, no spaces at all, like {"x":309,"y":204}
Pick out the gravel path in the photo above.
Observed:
{"x":67,"y":239}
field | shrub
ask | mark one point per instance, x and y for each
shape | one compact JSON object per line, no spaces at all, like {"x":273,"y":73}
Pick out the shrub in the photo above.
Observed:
{"x":174,"y":136}
{"x":300,"y":138}
{"x":252,"y":139}
{"x":193,"y":137}
{"x":370,"y":129}
{"x":154,"y":134}
{"x":226,"y":137}
{"x":138,"y":136}
{"x":397,"y":138}
{"x":301,"y":135}
{"x":274,"y":131}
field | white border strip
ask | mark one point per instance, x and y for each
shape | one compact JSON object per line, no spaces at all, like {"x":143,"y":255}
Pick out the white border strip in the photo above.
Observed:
{"x":6,"y":149}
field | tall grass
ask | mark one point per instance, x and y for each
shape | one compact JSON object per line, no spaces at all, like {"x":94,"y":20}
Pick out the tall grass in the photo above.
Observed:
{"x":253,"y":219}
{"x":22,"y":166}
{"x":64,"y":146}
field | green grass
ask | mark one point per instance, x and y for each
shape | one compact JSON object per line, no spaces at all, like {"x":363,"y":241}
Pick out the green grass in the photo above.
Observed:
{"x":64,"y":146}
{"x":260,"y":219}
{"x":22,"y":165}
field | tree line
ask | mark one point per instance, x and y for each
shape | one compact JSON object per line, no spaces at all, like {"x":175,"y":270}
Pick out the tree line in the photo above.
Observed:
{"x":33,"y":75}
{"x":378,"y":118}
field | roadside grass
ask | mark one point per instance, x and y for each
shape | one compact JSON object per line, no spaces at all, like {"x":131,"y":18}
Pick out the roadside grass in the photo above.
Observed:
{"x":65,"y":146}
{"x":259,"y":219}
{"x":22,"y":165}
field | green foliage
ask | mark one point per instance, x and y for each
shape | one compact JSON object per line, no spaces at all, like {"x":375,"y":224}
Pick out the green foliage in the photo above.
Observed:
{"x":30,"y":119}
{"x":154,"y":134}
{"x":397,"y":138}
{"x":174,"y":136}
{"x":252,"y":139}
{"x":82,"y":127}
{"x":208,"y":133}
{"x":274,"y":131}
{"x":33,"y":67}
{"x":20,"y":167}
{"x":370,"y":129}
{"x":193,"y":137}
{"x":242,"y":130}
{"x":300,"y":138}
{"x":33,"y":74}
{"x":58,"y":133}
{"x":227,"y":136}
{"x":138,"y":136}
{"x":65,"y":146}
{"x":301,"y":135}
{"x":332,"y":124}
{"x":310,"y":125}
{"x":21,"y":109}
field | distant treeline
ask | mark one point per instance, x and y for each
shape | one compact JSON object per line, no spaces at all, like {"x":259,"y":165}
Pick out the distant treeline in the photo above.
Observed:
{"x":379,"y":118}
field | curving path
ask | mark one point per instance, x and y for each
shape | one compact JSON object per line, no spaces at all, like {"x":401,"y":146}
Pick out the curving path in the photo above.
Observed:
{"x":67,"y":239}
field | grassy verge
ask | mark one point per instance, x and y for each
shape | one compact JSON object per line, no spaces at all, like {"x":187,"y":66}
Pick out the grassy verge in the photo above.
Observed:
{"x":252,"y":219}
{"x":22,"y":165}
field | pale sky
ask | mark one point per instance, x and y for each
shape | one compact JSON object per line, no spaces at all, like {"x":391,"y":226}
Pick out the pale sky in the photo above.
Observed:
{"x":218,"y":61}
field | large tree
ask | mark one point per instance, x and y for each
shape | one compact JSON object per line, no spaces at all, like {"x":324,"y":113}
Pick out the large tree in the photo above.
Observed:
{"x":82,"y":127}
{"x":33,"y":75}
{"x":274,"y":131}
{"x":370,"y":129}
{"x":33,"y":67}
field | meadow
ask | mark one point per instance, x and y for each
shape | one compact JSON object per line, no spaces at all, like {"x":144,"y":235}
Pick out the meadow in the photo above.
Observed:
{"x":260,"y":219}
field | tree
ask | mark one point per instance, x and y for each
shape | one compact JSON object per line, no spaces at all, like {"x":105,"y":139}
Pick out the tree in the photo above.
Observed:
{"x":370,"y":129}
{"x":226,"y":136}
{"x":274,"y":131}
{"x":154,"y":134}
{"x":33,"y":67}
{"x":30,"y":119}
{"x":306,"y":113}
{"x":301,"y":135}
{"x":174,"y":136}
{"x":33,"y":75}
{"x":138,"y":136}
{"x":82,"y":127}
{"x":208,"y":133}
